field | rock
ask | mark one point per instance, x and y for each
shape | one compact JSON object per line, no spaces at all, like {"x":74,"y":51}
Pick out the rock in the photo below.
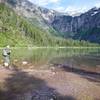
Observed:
{"x":44,"y":94}
{"x":24,"y":62}
{"x":53,"y":71}
{"x":52,"y":68}
{"x":15,"y":60}
{"x":98,"y":66}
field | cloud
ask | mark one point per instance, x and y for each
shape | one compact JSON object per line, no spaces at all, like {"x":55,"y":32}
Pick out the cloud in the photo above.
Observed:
{"x":65,"y":6}
{"x":76,"y":9}
{"x":44,"y":2}
{"x":97,"y":5}
{"x":59,"y":8}
{"x":71,"y":9}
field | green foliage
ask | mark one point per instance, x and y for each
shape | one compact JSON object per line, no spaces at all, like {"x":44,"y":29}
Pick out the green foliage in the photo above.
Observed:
{"x":10,"y":32}
{"x":18,"y":31}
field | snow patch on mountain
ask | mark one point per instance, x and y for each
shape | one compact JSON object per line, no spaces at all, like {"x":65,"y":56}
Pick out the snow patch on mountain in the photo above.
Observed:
{"x":94,"y":13}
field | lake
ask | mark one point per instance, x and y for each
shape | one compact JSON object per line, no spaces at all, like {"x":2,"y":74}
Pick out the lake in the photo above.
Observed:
{"x":44,"y":58}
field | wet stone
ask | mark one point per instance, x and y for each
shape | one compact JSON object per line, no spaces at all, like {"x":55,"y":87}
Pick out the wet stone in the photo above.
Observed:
{"x":45,"y":94}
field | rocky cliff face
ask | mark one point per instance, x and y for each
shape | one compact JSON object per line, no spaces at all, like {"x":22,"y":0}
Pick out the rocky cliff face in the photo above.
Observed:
{"x":80,"y":23}
{"x":30,"y":10}
{"x":83,"y":27}
{"x":2,"y":1}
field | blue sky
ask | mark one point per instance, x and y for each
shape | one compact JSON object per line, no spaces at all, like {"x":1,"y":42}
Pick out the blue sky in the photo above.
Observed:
{"x":68,"y":5}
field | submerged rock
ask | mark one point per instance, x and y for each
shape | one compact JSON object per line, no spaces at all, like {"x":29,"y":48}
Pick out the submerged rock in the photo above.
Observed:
{"x":44,"y":95}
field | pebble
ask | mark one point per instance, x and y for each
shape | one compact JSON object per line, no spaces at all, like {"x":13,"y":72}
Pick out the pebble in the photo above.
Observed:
{"x":15,"y":60}
{"x":24,"y":62}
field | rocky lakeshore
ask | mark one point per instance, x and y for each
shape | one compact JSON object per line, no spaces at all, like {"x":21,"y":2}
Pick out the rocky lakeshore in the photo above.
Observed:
{"x":48,"y":85}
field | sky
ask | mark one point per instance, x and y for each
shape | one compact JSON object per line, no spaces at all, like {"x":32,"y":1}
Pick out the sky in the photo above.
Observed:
{"x":68,"y":5}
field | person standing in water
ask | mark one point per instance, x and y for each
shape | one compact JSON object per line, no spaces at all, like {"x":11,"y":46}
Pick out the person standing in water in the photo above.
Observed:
{"x":6,"y":56}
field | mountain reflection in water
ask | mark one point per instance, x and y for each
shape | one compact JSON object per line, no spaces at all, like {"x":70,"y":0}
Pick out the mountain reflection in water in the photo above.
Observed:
{"x":43,"y":58}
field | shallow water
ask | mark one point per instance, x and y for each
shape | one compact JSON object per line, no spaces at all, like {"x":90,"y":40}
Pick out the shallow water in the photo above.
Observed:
{"x":44,"y":58}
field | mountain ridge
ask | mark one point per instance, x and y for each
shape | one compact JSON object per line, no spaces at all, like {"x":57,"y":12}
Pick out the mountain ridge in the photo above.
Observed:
{"x":84,"y":27}
{"x":37,"y":23}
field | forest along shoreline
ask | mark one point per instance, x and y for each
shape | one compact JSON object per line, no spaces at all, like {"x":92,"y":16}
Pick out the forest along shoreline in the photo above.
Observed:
{"x":64,"y":83}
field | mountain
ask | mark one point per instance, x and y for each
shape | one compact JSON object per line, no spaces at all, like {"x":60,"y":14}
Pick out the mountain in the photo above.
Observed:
{"x":83,"y":27}
{"x":86,"y":26}
{"x":23,"y":23}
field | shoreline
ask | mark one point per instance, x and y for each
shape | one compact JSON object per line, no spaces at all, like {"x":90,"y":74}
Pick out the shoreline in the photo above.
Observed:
{"x":36,"y":47}
{"x":63,"y":84}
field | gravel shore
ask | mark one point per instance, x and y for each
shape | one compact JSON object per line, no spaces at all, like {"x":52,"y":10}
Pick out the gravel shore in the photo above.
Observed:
{"x":48,"y":85}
